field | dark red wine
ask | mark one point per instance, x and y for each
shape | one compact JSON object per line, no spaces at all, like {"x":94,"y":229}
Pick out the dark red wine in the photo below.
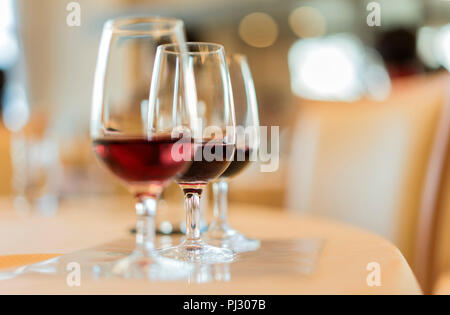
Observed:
{"x":140,"y":161}
{"x":202,"y":171}
{"x":240,"y":161}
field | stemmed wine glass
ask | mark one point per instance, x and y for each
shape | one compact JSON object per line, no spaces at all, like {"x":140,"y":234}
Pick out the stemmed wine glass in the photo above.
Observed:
{"x":247,"y":142}
{"x":214,"y":140}
{"x":124,"y":141}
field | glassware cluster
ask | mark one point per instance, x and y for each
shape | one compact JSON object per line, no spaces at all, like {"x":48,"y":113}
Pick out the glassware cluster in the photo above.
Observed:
{"x":165,"y":110}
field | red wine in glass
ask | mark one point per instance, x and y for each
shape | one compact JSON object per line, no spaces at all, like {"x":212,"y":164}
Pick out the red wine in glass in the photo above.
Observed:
{"x":240,"y":161}
{"x":205,"y":168}
{"x":141,"y":161}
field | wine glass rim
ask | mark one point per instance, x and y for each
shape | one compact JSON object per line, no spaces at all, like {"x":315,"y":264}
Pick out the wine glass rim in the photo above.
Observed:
{"x":117,"y":25}
{"x":216,"y":48}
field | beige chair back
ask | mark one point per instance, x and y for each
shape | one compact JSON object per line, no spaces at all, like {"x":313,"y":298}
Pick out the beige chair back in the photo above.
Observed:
{"x":365,"y":162}
{"x":432,"y":248}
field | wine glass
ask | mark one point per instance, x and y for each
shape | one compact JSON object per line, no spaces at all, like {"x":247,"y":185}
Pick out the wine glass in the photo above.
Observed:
{"x":247,"y":141}
{"x":213,"y":141}
{"x":138,"y":155}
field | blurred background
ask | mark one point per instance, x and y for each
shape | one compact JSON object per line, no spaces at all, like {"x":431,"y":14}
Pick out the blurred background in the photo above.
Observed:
{"x":363,"y":109}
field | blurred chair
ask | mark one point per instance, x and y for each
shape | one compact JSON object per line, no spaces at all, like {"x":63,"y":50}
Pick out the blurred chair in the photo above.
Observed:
{"x":432,"y":251}
{"x":365,"y":162}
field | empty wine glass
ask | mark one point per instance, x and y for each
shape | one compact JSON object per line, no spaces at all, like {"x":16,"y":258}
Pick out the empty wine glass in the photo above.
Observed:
{"x":213,"y":141}
{"x":247,"y":141}
{"x":125,"y":140}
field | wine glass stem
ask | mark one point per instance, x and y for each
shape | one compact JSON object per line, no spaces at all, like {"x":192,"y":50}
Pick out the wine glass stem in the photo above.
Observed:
{"x":192,"y":206}
{"x":145,"y":225}
{"x":220,"y":195}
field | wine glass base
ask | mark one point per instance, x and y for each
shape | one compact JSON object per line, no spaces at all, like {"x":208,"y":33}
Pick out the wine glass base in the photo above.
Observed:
{"x":231,"y":239}
{"x":198,"y":252}
{"x":144,"y":266}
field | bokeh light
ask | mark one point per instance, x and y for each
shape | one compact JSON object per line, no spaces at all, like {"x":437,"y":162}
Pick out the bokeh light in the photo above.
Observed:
{"x":258,"y":30}
{"x":426,"y":37}
{"x":16,"y":111}
{"x":8,"y":44}
{"x":307,"y":22}
{"x":442,"y":46}
{"x":337,"y":67}
{"x":326,"y":69}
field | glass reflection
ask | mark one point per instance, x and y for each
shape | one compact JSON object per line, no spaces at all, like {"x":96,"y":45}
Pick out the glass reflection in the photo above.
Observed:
{"x":292,"y":258}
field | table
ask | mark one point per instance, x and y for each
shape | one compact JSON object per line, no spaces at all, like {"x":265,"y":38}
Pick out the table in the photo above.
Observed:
{"x":85,"y":222}
{"x":442,"y":286}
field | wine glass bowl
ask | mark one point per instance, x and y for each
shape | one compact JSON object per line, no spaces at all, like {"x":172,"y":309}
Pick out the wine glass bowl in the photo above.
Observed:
{"x":213,"y":139}
{"x":220,"y":233}
{"x":125,"y":138}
